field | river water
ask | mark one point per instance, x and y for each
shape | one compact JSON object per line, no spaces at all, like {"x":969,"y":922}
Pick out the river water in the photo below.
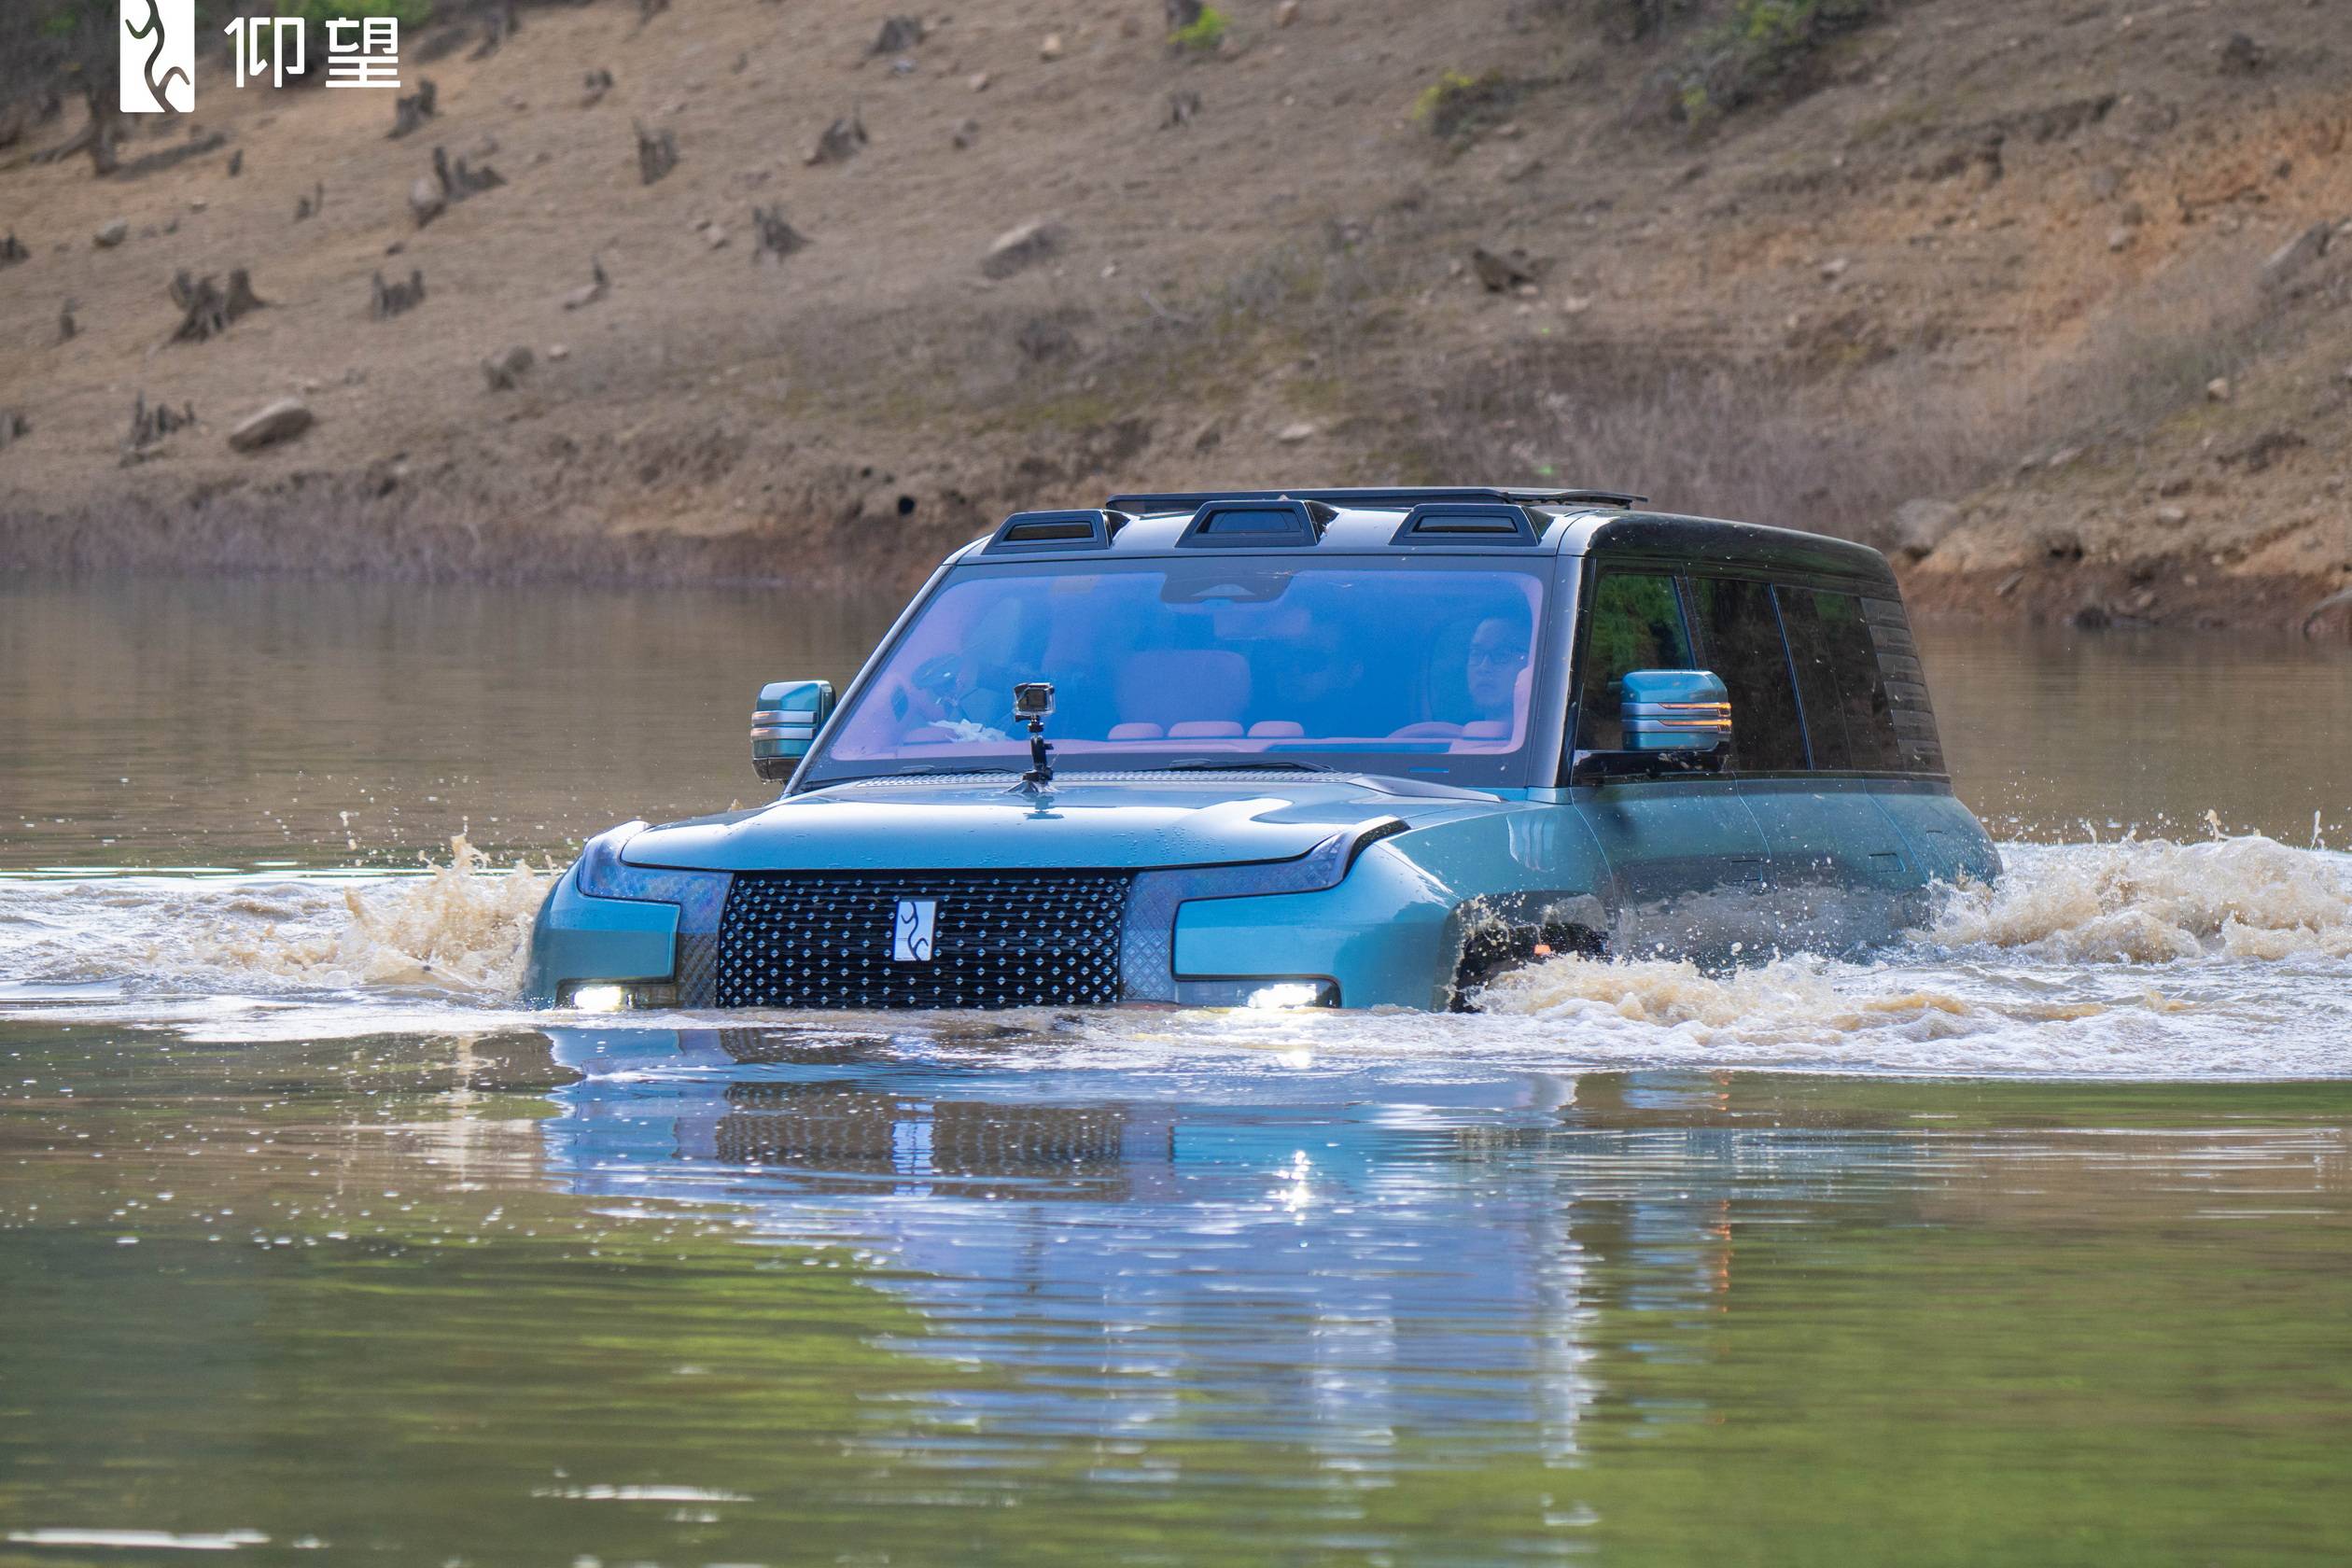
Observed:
{"x":2026,"y":1241}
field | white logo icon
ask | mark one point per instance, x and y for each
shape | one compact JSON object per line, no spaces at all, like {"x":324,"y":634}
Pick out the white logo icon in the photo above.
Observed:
{"x":158,"y":56}
{"x":911,"y":938}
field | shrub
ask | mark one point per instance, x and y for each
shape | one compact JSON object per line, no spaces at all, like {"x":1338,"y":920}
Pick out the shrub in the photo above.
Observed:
{"x":1205,"y":32}
{"x":1457,"y":105}
{"x":1759,"y":47}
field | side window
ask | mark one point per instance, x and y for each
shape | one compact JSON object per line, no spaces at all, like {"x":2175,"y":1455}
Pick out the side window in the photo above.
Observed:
{"x":1906,"y":686}
{"x":1848,"y":717}
{"x":1635,"y":622}
{"x":1742,"y":635}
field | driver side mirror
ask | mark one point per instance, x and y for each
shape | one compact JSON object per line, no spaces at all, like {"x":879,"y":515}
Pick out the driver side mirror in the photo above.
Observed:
{"x":784,"y":725}
{"x":1676,"y":721}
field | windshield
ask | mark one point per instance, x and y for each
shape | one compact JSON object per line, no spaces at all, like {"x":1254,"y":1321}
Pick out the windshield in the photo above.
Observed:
{"x":1397,"y":666}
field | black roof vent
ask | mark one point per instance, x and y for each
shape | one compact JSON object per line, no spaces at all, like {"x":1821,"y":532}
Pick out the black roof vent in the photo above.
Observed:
{"x":1277,"y":523}
{"x":1475,"y":525}
{"x":1025,"y":532}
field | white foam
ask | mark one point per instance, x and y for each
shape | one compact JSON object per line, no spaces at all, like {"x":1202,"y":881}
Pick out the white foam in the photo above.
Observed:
{"x":2139,"y":959}
{"x":459,"y":928}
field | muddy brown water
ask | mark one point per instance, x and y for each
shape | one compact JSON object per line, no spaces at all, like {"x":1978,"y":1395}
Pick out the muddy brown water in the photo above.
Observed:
{"x":2022,"y":1243}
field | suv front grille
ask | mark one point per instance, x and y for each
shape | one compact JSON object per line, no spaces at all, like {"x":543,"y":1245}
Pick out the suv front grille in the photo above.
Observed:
{"x":1000,"y":939}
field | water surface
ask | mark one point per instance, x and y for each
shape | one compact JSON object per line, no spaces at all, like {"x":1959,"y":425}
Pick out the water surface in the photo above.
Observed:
{"x":2025,"y":1243}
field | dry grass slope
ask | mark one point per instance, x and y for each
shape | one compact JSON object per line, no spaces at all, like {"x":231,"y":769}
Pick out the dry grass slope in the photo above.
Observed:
{"x":2075,"y":273}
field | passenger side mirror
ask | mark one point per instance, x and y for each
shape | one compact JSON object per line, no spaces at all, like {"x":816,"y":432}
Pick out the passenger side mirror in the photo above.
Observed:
{"x":784,"y":725}
{"x":1676,"y":721}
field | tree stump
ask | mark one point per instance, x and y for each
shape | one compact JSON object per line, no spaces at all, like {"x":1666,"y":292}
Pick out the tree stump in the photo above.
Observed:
{"x":772,"y":238}
{"x":106,"y":125}
{"x":12,"y":250}
{"x":206,"y":309}
{"x":458,"y":181}
{"x":388,"y":300}
{"x":898,"y":34}
{"x":840,"y":142}
{"x":310,"y":206}
{"x":149,"y":425}
{"x":496,"y":28}
{"x":451,"y":182}
{"x":657,"y":154}
{"x":598,"y":83}
{"x":412,"y":111}
{"x":12,"y":424}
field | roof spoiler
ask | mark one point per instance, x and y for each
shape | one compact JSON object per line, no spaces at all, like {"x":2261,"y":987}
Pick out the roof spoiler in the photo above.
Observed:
{"x":1393,"y":498}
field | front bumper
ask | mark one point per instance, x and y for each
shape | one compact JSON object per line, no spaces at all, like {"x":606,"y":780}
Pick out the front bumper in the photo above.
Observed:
{"x":649,"y":936}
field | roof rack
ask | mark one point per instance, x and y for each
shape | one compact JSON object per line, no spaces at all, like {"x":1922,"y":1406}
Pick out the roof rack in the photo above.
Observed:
{"x":1393,"y":498}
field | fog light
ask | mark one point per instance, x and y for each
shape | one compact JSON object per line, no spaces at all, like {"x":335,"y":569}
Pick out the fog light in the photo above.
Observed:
{"x":1261,"y":991}
{"x":605,"y":997}
{"x":600,"y":998}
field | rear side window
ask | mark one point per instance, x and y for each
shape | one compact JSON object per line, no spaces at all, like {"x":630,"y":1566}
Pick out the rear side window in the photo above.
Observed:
{"x":1914,"y":718}
{"x":1848,"y":717}
{"x":1635,"y":623}
{"x":1741,"y":630}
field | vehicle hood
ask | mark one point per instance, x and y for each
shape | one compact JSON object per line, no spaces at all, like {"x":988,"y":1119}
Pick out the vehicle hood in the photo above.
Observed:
{"x":992,"y":824}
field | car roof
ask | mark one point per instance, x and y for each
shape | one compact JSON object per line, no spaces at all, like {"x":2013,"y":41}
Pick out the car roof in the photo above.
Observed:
{"x":1374,"y":522}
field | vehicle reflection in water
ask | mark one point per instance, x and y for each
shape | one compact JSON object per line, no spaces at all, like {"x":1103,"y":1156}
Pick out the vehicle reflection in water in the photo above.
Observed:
{"x":1301,"y":1271}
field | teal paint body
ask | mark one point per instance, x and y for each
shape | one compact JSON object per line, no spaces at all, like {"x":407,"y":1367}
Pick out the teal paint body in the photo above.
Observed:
{"x":1387,"y":885}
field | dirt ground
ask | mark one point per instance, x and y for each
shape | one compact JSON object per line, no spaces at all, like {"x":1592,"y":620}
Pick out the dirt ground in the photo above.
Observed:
{"x":2029,"y":265}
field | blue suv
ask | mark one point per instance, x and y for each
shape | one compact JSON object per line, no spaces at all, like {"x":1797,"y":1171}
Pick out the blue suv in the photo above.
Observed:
{"x":1346,"y":747}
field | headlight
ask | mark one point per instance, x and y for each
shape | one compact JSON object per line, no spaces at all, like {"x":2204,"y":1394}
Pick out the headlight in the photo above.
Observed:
{"x":599,"y":870}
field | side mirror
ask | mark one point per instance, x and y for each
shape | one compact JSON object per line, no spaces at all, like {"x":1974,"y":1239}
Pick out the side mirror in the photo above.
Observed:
{"x":784,"y":725}
{"x":1676,"y":721}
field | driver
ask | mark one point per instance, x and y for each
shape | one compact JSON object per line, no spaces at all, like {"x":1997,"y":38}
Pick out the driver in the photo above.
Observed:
{"x":1498,"y":652}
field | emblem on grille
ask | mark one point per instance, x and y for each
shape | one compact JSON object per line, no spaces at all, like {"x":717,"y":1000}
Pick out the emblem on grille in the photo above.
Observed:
{"x":911,"y":936}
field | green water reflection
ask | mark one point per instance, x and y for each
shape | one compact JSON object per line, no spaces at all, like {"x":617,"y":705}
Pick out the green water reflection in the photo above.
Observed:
{"x":426,"y":1300}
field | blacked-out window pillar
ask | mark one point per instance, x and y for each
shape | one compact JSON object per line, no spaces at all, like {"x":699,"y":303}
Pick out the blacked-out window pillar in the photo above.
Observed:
{"x":1740,"y":634}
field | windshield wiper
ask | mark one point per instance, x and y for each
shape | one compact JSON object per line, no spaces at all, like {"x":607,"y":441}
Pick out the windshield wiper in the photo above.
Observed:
{"x":926,"y":769}
{"x":1279,"y":764}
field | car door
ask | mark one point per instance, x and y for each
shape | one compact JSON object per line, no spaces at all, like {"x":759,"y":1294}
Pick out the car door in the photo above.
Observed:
{"x":1685,"y":853}
{"x":1805,"y":735}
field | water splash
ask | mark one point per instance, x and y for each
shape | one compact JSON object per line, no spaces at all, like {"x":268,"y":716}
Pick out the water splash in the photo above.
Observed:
{"x":462,"y":927}
{"x":465,"y":926}
{"x":2159,"y":902}
{"x":2148,"y":959}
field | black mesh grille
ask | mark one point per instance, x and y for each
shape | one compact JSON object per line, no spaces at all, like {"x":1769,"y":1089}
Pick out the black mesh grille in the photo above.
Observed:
{"x":1018,"y":939}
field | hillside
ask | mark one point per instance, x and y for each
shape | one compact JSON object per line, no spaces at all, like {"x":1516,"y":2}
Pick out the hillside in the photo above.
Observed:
{"x":1805,"y":260}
